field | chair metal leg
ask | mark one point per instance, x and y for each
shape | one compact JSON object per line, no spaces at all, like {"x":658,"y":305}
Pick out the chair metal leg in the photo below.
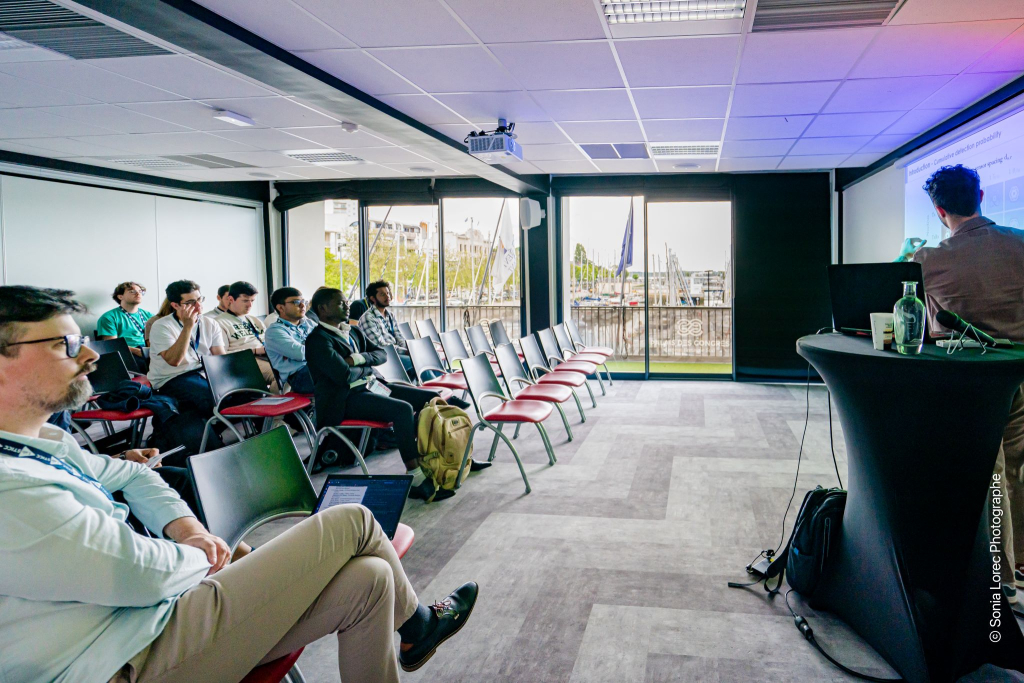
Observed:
{"x":547,"y":444}
{"x":593,"y":399}
{"x":309,"y":429}
{"x":469,"y":446}
{"x":565,"y":420}
{"x":579,"y":406}
{"x":608,"y":374}
{"x":469,"y":449}
{"x":600,"y":382}
{"x":80,"y":430}
{"x":516,"y":434}
{"x":294,"y":676}
{"x":494,"y":444}
{"x":209,"y":427}
{"x":344,"y":439}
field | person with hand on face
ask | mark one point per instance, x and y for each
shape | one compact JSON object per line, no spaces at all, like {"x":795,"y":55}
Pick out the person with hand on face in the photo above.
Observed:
{"x":177,"y":342}
{"x":83,"y":597}
{"x":242,"y":330}
{"x":128,"y":320}
{"x":286,"y":338}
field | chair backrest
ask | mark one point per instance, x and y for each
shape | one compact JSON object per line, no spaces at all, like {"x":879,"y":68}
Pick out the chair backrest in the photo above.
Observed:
{"x":562,"y":337}
{"x":511,"y":368}
{"x":574,"y":333}
{"x":550,"y":345}
{"x":407,"y":331}
{"x":481,"y":380}
{"x":392,"y":369}
{"x":233,"y":371}
{"x":535,"y":359}
{"x":109,"y":373}
{"x":248,"y":483}
{"x":424,"y":357}
{"x":498,"y":333}
{"x":427,"y":329}
{"x":454,"y":348}
{"x":118,"y":346}
{"x":478,"y":340}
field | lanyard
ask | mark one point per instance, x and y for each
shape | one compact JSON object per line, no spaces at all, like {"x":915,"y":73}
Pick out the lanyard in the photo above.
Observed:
{"x":139,"y":327}
{"x":18,"y":450}
{"x":194,"y":343}
{"x":249,"y":326}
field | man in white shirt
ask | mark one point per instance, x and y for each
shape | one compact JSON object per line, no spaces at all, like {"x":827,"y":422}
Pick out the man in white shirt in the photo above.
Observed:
{"x":176,"y":343}
{"x":242,"y":330}
{"x":83,"y":598}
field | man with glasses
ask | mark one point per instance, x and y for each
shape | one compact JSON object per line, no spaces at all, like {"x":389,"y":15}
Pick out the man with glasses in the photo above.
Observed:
{"x":83,"y":597}
{"x":242,"y":330}
{"x":286,"y":338}
{"x":127,"y":321}
{"x":177,"y":342}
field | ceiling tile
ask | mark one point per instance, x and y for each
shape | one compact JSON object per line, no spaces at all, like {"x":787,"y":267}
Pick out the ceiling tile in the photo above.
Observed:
{"x":32,"y":123}
{"x":266,"y":138}
{"x":463,"y":68}
{"x":920,"y":120}
{"x":490,"y":106}
{"x":860,"y":160}
{"x":261,"y":159}
{"x":359,"y":70}
{"x":537,"y":133}
{"x":603,"y":131}
{"x":838,"y":125}
{"x":423,"y":108}
{"x":114,"y":118}
{"x":667,"y":130}
{"x":682,"y":103}
{"x":586,"y":105}
{"x":781,"y":98}
{"x":822,"y":161}
{"x":29,"y":53}
{"x":389,"y":155}
{"x":187,"y":113}
{"x":791,"y":56}
{"x":322,"y":172}
{"x":884,"y":94}
{"x":847,"y":145}
{"x":756,"y":148}
{"x":377,"y":171}
{"x":627,"y":166}
{"x":1007,"y":56}
{"x":18,"y":92}
{"x":966,"y":89}
{"x":530,"y":20}
{"x":88,"y":81}
{"x":390,"y":23}
{"x":69,"y":147}
{"x":679,"y":61}
{"x":170,"y":143}
{"x":749,"y":164}
{"x":281,"y":22}
{"x":19,"y":147}
{"x":522,"y":168}
{"x":936,"y":11}
{"x":336,"y":137}
{"x":766,"y":127}
{"x":459,"y":131}
{"x":930,"y":49}
{"x":274,"y":112}
{"x":183,"y":75}
{"x":541,"y":153}
{"x":566,"y":167}
{"x":555,"y":66}
{"x":885,"y":143}
{"x":411,"y":169}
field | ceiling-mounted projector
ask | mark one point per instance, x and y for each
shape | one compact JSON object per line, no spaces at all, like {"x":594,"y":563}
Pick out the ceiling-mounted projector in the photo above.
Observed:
{"x":495,"y":147}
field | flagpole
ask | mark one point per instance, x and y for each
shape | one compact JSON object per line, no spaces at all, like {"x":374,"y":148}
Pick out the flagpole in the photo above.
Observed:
{"x":490,"y":254}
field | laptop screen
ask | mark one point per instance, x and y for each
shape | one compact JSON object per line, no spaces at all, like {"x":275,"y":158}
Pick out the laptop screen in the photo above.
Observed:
{"x":383,"y":494}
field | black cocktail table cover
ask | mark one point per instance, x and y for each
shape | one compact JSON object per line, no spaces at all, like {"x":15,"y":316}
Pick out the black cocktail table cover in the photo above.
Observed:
{"x":913,"y":573}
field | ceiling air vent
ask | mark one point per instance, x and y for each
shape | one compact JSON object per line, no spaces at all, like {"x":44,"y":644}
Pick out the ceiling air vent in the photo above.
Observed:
{"x":152,"y":163}
{"x":323,"y":157}
{"x":796,"y":15}
{"x":680,"y":150}
{"x":46,"y":24}
{"x":208,"y":161}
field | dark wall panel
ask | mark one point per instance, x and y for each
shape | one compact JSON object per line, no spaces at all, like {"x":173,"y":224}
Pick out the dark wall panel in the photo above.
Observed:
{"x":540,"y":289}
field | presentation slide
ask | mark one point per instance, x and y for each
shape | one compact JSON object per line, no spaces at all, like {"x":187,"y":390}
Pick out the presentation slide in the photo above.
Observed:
{"x":996,"y":152}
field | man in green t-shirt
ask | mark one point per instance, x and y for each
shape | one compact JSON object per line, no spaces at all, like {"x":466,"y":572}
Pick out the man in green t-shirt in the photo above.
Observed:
{"x":128,"y":320}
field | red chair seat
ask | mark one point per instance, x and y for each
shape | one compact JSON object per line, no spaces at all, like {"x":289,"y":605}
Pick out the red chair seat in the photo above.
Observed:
{"x":363,"y":424}
{"x":275,"y":671}
{"x":599,"y":350}
{"x":578,"y":366}
{"x":595,"y":358}
{"x":252,"y":410}
{"x":566,"y":379}
{"x":111,"y":415}
{"x":520,"y":411}
{"x":452,"y":380}
{"x":552,"y":393}
{"x":295,"y":394}
{"x":404,"y":536}
{"x":142,"y":379}
{"x":442,"y":393}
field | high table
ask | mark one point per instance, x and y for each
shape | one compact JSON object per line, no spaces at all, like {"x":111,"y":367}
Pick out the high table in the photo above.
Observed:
{"x":913,"y":573}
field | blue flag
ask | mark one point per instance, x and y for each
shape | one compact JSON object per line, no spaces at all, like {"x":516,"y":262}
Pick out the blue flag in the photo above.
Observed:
{"x":626,"y":257}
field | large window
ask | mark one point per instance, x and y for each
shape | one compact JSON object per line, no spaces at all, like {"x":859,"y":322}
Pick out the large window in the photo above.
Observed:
{"x":481,"y":262}
{"x":323,"y":246}
{"x":404,"y":246}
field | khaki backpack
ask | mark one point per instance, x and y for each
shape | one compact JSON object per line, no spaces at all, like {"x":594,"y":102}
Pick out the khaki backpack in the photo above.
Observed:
{"x":442,"y":434}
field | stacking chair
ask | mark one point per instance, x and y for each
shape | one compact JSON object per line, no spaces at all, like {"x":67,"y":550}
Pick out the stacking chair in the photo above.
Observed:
{"x":407,"y":331}
{"x":119,"y":346}
{"x":483,"y":385}
{"x":424,"y":358}
{"x":478,"y":341}
{"x":393,"y":372}
{"x":456,"y":351}
{"x":577,"y":341}
{"x":553,"y":355}
{"x":237,"y":375}
{"x":245,"y":485}
{"x":428,"y":330}
{"x":109,"y":373}
{"x":520,"y":386}
{"x":569,"y":351}
{"x":499,"y":336}
{"x":542,"y":373}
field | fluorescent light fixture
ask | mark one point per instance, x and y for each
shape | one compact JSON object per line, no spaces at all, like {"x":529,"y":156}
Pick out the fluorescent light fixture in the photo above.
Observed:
{"x":656,"y":11}
{"x":233,"y":118}
{"x":421,"y":169}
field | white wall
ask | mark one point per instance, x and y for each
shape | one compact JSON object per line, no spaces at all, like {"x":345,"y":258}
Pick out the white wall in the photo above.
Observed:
{"x":88,"y":239}
{"x":873,"y":218}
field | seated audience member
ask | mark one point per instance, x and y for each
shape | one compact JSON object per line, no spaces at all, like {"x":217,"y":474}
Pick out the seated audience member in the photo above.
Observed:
{"x":378,"y":323}
{"x":221,"y":305}
{"x":127,"y":321}
{"x":85,"y":598}
{"x":340,"y":361}
{"x":176,"y":343}
{"x":356,"y":310}
{"x":242,"y":330}
{"x":286,"y":339}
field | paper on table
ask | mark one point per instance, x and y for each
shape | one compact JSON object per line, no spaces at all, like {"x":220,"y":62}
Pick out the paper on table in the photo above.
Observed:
{"x":271,"y":401}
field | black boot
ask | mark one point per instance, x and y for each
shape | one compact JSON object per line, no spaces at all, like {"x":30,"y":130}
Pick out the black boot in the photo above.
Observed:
{"x":452,"y":614}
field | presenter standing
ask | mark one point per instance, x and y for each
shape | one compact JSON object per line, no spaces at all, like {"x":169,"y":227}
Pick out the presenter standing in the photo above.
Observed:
{"x":978,"y":273}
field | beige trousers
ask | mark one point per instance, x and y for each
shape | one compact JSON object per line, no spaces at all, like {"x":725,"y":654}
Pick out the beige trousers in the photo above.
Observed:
{"x":335,"y":572}
{"x":1010,"y":463}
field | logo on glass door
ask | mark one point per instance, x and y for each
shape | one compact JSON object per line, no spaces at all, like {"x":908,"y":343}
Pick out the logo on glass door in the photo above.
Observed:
{"x":691,"y":327}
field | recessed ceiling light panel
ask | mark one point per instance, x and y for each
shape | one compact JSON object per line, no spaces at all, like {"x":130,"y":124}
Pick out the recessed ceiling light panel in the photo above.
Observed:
{"x":684,"y":150}
{"x":233,"y":118}
{"x":421,"y":169}
{"x":324,"y":157}
{"x":657,"y":11}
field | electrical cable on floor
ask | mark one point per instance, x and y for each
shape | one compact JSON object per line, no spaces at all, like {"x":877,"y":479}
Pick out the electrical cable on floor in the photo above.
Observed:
{"x":831,"y":441}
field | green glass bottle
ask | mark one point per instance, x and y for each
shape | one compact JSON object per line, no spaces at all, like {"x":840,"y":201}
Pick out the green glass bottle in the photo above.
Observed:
{"x":908,"y":321}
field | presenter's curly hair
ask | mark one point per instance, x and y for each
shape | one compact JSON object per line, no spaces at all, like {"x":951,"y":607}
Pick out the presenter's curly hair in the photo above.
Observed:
{"x":20,"y":304}
{"x":955,"y":189}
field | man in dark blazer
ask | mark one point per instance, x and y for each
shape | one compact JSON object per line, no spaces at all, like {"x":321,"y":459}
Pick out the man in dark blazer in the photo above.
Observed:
{"x":340,"y":360}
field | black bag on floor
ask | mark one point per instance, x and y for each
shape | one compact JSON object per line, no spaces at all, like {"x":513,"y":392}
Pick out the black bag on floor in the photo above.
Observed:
{"x":183,"y":429}
{"x":815,"y":534}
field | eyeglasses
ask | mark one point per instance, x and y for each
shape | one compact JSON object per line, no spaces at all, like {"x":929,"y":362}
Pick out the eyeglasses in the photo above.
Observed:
{"x":297,"y":302}
{"x":72,"y":343}
{"x":141,"y":291}
{"x":193,"y":302}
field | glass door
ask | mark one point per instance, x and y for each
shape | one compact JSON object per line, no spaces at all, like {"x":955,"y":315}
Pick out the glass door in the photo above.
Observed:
{"x":403,"y":249}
